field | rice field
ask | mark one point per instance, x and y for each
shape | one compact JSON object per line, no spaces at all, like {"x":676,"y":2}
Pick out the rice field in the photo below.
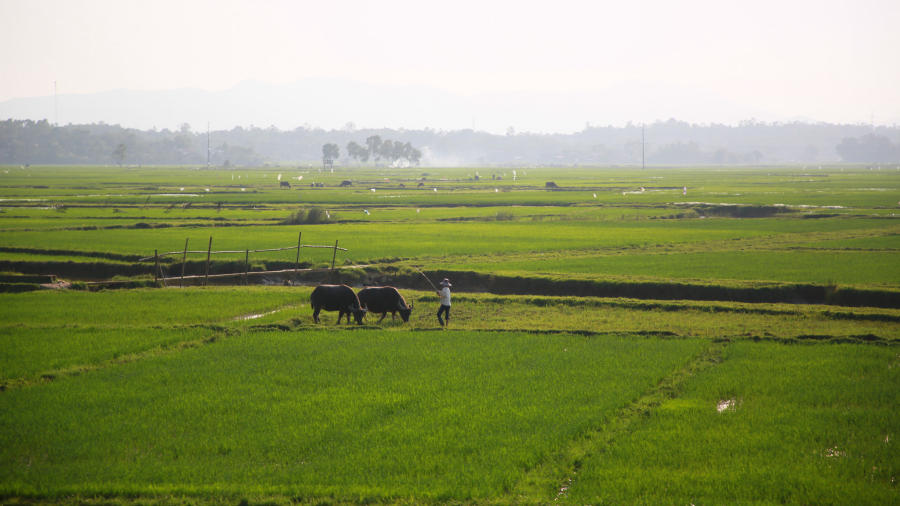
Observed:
{"x":773,"y":422}
{"x":355,"y":414}
{"x":231,"y":394}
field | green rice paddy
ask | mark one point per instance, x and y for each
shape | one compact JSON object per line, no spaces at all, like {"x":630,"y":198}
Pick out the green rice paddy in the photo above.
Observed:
{"x":232,"y":395}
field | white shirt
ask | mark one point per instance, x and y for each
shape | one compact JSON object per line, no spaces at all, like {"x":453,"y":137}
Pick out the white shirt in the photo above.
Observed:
{"x":445,"y":296}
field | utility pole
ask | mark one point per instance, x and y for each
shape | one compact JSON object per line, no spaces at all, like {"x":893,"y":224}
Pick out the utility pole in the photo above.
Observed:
{"x":642,"y":146}
{"x":207,"y":145}
{"x":55,"y":106}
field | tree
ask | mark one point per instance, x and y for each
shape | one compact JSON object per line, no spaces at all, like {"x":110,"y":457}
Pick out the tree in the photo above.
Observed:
{"x":357,"y":152}
{"x":869,"y":148}
{"x":330,"y":153}
{"x":810,"y":153}
{"x":414,"y":156}
{"x":401,"y":151}
{"x":119,"y":154}
{"x":374,"y":144}
{"x":386,"y":150}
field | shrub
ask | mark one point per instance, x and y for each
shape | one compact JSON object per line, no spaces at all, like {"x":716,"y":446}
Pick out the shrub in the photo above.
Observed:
{"x":309,"y":216}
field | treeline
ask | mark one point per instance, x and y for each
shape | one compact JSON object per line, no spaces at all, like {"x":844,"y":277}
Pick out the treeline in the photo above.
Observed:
{"x":869,"y":149}
{"x":39,"y":142}
{"x":664,"y":143}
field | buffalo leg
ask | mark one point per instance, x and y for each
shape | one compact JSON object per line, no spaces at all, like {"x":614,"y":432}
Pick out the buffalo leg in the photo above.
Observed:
{"x":316,"y":315}
{"x":382,"y":317}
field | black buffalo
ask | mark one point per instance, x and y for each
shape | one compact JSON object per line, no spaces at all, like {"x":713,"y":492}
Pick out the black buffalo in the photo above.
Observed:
{"x":336,"y":298}
{"x":384,"y":300}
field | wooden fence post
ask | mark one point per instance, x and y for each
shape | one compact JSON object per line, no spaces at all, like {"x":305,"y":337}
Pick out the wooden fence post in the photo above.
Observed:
{"x":246,"y":265}
{"x":208,"y":253}
{"x":297,"y":264}
{"x":334,"y":255}
{"x":156,"y":266}
{"x":184,"y":261}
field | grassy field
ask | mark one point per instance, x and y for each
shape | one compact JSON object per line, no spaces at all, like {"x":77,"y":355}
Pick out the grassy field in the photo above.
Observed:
{"x":773,"y":422}
{"x":508,"y":407}
{"x":58,"y":333}
{"x":823,"y":266}
{"x":431,"y":415}
{"x":732,"y":224}
{"x":231,"y":394}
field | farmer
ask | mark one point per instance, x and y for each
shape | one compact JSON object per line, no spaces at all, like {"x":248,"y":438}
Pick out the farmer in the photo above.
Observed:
{"x":444,"y":294}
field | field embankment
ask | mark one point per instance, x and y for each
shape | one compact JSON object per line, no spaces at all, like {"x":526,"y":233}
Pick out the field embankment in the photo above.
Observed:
{"x":476,"y":282}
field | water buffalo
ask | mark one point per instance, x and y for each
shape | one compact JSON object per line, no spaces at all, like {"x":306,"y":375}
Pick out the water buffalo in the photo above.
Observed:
{"x":336,"y":298}
{"x":384,"y":300}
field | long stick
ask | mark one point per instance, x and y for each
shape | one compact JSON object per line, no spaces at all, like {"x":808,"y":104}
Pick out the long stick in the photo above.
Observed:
{"x":208,"y":252}
{"x":297,"y":264}
{"x":426,"y":278}
{"x":334,"y":255}
{"x":184,"y":261}
{"x":246,"y":265}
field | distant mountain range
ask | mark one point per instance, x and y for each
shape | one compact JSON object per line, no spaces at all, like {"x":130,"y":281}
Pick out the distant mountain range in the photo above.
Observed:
{"x":332,"y":103}
{"x":255,"y":122}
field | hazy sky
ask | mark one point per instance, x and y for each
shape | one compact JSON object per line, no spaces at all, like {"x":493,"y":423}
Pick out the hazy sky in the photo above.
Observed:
{"x":827,"y":60}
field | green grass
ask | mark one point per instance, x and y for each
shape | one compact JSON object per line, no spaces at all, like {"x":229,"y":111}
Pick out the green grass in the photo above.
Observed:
{"x":29,"y":353}
{"x":62,"y":257}
{"x":367,"y":241}
{"x":357,"y":414}
{"x":890,"y":242}
{"x":81,"y":209}
{"x":685,"y":319}
{"x":150,"y":395}
{"x":821,"y":267}
{"x":142,"y":307}
{"x":840,"y":186}
{"x":63,"y":331}
{"x":809,"y":425}
{"x":52,"y":332}
{"x":405,"y":413}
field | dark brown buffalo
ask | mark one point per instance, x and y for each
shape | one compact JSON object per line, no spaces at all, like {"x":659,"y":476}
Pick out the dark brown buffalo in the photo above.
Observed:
{"x":338,"y":298}
{"x":384,"y":300}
